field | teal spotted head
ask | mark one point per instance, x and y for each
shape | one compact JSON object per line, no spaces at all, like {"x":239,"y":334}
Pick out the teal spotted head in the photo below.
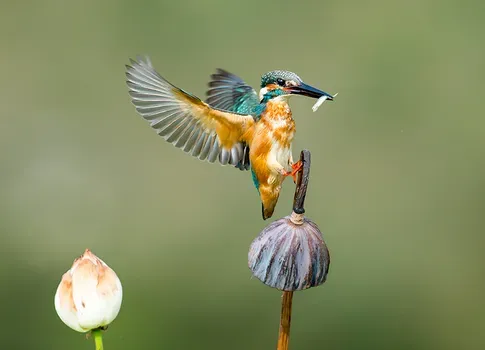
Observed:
{"x":283,"y":84}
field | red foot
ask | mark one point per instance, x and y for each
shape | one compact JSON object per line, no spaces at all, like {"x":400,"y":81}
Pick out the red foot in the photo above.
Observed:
{"x":296,"y":168}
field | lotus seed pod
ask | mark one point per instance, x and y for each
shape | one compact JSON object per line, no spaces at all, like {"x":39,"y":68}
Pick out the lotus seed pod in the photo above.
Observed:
{"x":290,"y":254}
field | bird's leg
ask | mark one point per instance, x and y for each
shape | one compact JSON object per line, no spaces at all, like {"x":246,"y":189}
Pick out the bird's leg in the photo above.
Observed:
{"x":296,"y":166}
{"x":295,"y":169}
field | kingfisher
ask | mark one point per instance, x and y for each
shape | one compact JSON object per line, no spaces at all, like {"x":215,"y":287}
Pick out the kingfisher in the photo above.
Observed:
{"x":235,"y":125}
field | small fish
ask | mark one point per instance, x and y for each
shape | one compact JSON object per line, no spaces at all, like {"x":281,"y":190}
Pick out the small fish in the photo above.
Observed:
{"x":320,"y":102}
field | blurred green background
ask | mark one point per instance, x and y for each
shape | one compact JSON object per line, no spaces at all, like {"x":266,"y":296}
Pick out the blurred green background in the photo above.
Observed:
{"x":397,"y":183}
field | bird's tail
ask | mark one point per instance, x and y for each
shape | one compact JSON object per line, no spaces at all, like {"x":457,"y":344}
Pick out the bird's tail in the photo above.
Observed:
{"x":267,"y":212}
{"x":269,"y":198}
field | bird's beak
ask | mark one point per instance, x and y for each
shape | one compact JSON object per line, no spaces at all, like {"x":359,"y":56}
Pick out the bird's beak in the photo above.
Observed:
{"x":310,"y":91}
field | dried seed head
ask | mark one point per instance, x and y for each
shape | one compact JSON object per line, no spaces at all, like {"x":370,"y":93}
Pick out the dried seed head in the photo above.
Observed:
{"x":290,"y":254}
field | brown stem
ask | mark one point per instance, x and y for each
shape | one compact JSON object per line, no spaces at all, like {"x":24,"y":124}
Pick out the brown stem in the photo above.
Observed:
{"x":302,"y":182}
{"x":285,"y":321}
{"x":298,"y":202}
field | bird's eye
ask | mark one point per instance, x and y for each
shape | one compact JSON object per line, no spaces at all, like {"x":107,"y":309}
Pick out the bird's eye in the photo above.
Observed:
{"x":280,"y":82}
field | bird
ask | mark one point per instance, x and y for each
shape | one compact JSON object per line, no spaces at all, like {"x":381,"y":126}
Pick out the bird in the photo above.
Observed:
{"x":235,"y":125}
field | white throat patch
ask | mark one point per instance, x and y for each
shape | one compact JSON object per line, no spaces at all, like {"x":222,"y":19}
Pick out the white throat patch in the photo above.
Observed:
{"x":262,"y":92}
{"x":281,"y":98}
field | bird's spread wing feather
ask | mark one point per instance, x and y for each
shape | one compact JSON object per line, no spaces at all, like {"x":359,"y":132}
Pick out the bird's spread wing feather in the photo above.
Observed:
{"x":183,"y":119}
{"x":229,"y":92}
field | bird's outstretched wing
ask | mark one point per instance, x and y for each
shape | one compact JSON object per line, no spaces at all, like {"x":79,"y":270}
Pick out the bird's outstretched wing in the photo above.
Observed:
{"x":183,"y":119}
{"x":229,"y":92}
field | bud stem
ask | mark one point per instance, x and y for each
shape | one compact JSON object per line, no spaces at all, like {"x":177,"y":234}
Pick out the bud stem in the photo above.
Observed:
{"x":285,"y":321}
{"x":98,"y":338}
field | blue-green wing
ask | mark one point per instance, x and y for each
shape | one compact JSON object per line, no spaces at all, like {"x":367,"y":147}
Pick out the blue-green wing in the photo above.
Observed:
{"x":230,"y":93}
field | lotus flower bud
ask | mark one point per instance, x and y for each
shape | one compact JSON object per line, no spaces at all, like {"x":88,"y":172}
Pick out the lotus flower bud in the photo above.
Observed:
{"x":290,"y":254}
{"x":89,"y":295}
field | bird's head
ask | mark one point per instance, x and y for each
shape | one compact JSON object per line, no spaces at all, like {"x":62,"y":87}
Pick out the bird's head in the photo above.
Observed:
{"x":283,"y":84}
